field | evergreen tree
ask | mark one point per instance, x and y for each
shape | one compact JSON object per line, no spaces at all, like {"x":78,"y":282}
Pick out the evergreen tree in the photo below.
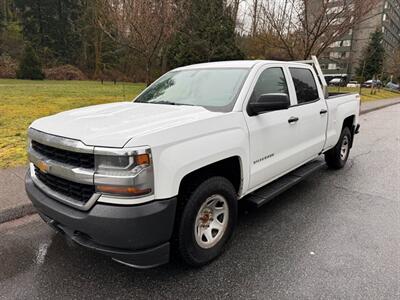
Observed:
{"x":3,"y":15}
{"x":371,"y":62}
{"x":2,"y":18}
{"x":51,"y":27}
{"x":208,"y":34}
{"x":30,"y":66}
{"x":11,"y":42}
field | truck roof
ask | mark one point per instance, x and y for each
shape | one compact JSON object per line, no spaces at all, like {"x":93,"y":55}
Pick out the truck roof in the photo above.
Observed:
{"x":230,"y":64}
{"x":248,"y":64}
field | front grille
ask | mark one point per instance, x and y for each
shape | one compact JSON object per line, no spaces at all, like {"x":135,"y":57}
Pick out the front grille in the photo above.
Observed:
{"x":83,"y":160}
{"x":74,"y":190}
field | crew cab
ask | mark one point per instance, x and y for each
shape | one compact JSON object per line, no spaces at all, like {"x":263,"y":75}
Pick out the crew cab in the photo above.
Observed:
{"x":164,"y":173}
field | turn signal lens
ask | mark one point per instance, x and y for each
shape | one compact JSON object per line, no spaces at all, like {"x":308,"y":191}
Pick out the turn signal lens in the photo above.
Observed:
{"x":122,"y":190}
{"x":142,"y":159}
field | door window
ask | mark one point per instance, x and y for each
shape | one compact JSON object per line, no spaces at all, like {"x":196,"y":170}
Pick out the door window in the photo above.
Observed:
{"x":304,"y":83}
{"x":271,"y":80}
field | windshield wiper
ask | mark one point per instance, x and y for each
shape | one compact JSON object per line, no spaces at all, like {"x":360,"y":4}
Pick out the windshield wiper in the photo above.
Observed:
{"x":169,"y":103}
{"x":163,"y":102}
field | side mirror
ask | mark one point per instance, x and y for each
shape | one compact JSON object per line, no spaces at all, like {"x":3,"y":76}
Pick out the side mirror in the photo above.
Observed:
{"x":269,"y":102}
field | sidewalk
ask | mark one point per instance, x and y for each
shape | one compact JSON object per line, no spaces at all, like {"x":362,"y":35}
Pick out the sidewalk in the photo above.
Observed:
{"x":369,"y":106}
{"x":15,"y":204}
{"x":13,"y":200}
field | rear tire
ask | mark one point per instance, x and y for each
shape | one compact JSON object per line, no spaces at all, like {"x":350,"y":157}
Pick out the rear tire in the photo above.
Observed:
{"x":207,"y":221}
{"x":336,"y":157}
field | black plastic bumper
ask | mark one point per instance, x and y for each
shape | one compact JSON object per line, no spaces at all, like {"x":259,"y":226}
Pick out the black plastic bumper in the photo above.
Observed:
{"x":137,"y":235}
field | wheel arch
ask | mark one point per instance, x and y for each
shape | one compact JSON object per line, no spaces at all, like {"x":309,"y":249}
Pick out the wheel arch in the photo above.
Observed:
{"x":349,"y":122}
{"x":231,"y":168}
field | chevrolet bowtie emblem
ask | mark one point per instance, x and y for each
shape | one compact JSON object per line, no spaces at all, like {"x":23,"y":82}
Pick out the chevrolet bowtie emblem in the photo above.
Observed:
{"x":42,"y":166}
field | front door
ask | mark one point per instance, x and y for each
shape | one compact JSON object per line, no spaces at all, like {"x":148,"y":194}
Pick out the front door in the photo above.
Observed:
{"x":273,"y":138}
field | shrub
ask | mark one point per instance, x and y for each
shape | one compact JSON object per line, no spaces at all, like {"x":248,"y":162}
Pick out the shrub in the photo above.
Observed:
{"x":30,"y":66}
{"x":8,"y":67}
{"x":65,"y":72}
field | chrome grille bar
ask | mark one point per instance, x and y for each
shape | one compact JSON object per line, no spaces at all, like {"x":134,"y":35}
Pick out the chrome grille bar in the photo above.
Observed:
{"x":76,"y":174}
{"x":61,"y":197}
{"x":59,"y":142}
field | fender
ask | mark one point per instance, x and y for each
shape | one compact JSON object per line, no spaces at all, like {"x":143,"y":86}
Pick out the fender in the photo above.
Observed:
{"x":339,"y":110}
{"x":193,"y":146}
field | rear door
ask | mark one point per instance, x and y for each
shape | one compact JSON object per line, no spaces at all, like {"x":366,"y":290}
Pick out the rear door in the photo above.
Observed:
{"x":312,"y":113}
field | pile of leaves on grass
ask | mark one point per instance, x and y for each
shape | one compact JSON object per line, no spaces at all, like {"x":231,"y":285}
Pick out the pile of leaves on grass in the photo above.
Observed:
{"x":8,"y":67}
{"x":64,"y":72}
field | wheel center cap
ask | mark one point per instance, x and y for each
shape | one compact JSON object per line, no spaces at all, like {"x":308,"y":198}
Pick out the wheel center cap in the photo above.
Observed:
{"x":206,"y":217}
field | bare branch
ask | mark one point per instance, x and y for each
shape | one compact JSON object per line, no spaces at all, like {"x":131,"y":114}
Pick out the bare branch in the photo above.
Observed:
{"x":140,"y":25}
{"x":306,"y":27}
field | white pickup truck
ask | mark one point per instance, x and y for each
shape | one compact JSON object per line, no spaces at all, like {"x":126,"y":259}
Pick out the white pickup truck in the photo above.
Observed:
{"x":135,"y":180}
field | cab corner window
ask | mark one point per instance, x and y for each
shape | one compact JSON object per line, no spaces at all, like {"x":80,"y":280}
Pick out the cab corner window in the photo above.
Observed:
{"x":304,"y":83}
{"x":271,"y":80}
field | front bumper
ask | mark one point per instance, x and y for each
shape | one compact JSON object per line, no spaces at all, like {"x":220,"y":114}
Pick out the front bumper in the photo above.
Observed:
{"x":136,"y":235}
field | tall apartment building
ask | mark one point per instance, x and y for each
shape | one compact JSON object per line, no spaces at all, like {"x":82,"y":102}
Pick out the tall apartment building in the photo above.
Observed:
{"x":342,"y":58}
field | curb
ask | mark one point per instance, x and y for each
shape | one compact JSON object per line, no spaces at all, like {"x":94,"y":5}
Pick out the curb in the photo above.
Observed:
{"x":368,"y":110}
{"x":16,"y":212}
{"x":23,"y":210}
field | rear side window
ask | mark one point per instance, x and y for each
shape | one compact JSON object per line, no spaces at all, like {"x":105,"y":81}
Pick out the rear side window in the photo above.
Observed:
{"x":304,"y":83}
{"x":271,"y":80}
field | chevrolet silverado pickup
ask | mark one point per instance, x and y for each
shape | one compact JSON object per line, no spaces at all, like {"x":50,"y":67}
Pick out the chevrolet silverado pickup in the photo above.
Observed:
{"x":162,"y":175}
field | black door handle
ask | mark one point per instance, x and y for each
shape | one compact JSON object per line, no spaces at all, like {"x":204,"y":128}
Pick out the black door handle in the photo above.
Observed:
{"x":323,"y":111}
{"x":293,"y":120}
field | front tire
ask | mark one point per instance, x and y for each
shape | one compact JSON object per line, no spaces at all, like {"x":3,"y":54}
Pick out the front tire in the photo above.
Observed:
{"x":336,"y":157}
{"x":207,"y":221}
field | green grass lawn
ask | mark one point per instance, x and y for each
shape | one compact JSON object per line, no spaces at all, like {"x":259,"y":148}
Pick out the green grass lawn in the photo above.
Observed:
{"x":366,"y":93}
{"x":22,"y":101}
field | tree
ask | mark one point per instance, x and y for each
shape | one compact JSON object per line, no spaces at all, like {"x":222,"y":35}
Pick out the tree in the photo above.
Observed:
{"x":50,"y":26}
{"x":3,"y":22}
{"x":142,"y":26}
{"x":255,"y":47}
{"x":5,"y":13}
{"x":371,"y":62}
{"x":233,"y":5}
{"x":254,"y":17}
{"x":207,"y":34}
{"x":307,"y":27}
{"x":393,"y":64}
{"x":98,"y":51}
{"x":30,"y":66}
{"x":11,"y":43}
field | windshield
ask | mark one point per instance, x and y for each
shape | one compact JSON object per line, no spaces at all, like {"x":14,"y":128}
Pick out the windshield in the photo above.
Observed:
{"x":214,"y":89}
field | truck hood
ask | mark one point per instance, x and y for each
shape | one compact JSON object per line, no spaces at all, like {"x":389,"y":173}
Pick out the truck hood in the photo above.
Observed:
{"x":113,"y":125}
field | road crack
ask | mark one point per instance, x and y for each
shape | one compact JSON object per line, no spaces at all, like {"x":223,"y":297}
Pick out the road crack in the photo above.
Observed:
{"x":359,"y":193}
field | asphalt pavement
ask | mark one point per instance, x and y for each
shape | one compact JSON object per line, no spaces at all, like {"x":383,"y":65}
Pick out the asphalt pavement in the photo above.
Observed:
{"x":334,"y":236}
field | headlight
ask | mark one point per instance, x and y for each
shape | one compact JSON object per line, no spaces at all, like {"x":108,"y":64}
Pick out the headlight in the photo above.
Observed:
{"x":104,"y":162}
{"x":124,"y":173}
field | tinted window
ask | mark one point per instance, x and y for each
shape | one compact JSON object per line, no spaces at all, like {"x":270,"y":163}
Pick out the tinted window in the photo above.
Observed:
{"x":304,"y":83}
{"x":271,"y":80}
